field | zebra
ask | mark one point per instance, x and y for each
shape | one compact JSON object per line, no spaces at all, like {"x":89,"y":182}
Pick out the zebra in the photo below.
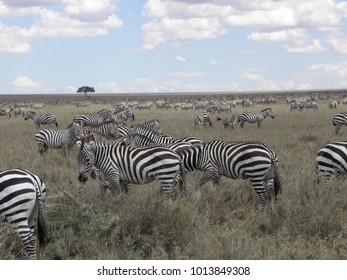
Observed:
{"x":255,"y":118}
{"x":57,"y":139}
{"x":19,"y":111}
{"x":202,"y":119}
{"x":228,"y":121}
{"x":331,"y":161}
{"x":236,"y":160}
{"x":21,"y":204}
{"x":91,"y":120}
{"x":109,"y":128}
{"x":333,"y":104}
{"x":123,"y":116}
{"x":38,"y":119}
{"x":339,"y":120}
{"x":123,"y":165}
{"x":153,"y":125}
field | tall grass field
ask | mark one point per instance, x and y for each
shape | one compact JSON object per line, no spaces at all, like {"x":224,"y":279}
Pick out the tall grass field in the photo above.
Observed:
{"x":309,"y":220}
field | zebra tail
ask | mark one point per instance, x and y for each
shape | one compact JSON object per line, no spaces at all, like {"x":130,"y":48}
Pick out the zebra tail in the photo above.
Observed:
{"x":277,"y":182}
{"x":56,"y":124}
{"x":41,"y":229}
{"x":183,"y":179}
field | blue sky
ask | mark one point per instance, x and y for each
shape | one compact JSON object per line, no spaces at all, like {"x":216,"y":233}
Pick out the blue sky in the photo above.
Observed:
{"x":118,"y":46}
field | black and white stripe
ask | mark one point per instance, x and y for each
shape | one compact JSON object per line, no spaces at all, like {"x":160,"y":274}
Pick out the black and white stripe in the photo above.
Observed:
{"x":90,"y":120}
{"x":236,"y":160}
{"x":141,"y":136}
{"x":123,"y":165}
{"x":21,"y":197}
{"x":202,"y":120}
{"x":331,"y":161}
{"x":41,"y":119}
{"x":339,"y":120}
{"x":58,"y":139}
{"x":228,"y":121}
{"x":123,"y":116}
{"x":255,"y":118}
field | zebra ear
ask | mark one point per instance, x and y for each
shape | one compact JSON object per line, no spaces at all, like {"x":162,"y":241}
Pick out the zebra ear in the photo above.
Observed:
{"x":92,"y":145}
{"x":79,"y":144}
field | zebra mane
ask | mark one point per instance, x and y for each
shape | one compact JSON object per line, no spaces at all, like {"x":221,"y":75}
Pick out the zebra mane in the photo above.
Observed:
{"x":31,"y":112}
{"x":266,"y":109}
{"x":141,"y":136}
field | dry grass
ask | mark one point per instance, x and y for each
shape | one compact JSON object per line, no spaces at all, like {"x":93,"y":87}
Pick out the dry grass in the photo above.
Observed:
{"x":309,"y":220}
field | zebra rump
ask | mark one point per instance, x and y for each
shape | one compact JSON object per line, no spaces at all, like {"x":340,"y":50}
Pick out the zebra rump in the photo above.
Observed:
{"x":21,"y":197}
{"x":242,"y":160}
{"x":331,"y":161}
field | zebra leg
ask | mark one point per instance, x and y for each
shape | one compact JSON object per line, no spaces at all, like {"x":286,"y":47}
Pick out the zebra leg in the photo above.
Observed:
{"x":210,"y":174}
{"x":337,"y":128}
{"x":258,"y":124}
{"x":241,"y":124}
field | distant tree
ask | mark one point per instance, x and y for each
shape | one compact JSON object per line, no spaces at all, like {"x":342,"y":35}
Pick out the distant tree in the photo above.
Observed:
{"x":85,"y":90}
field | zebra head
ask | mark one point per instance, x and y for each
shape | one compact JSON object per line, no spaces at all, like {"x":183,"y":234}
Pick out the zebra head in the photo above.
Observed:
{"x":29,"y":114}
{"x":268,"y":112}
{"x":85,"y":159}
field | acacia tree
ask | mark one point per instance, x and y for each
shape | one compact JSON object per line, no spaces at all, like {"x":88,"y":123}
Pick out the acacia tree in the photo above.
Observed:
{"x":85,"y":90}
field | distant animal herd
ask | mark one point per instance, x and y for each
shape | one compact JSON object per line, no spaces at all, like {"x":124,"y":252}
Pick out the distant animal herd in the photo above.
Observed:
{"x":120,"y":154}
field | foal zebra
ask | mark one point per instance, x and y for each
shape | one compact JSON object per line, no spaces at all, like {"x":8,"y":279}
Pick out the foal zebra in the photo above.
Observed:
{"x":236,"y":160}
{"x":41,"y":119}
{"x":339,"y":120}
{"x":122,"y":165}
{"x":255,"y":118}
{"x":331,"y":161}
{"x":57,"y":139}
{"x":202,"y":119}
{"x":228,"y":121}
{"x":21,"y":197}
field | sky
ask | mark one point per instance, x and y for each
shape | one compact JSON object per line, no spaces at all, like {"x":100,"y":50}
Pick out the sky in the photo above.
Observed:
{"x":151,"y":46}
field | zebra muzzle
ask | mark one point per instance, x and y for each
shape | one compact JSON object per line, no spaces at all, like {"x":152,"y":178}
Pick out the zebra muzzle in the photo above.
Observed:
{"x":82,"y":178}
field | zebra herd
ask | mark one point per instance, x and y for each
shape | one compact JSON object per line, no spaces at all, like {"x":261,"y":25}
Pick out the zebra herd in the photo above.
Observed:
{"x":119,"y":155}
{"x":229,"y":121}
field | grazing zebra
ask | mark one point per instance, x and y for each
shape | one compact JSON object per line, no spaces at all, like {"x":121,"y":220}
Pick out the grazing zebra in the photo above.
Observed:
{"x":236,"y":160}
{"x":228,"y":121}
{"x":153,"y":125}
{"x":19,"y":111}
{"x":123,"y":116}
{"x":41,"y":119}
{"x":333,"y":104}
{"x":255,"y":118}
{"x":109,"y":128}
{"x":140,"y":136}
{"x":123,"y":165}
{"x":21,"y":204}
{"x":202,"y":119}
{"x":331,"y":161}
{"x":339,"y":120}
{"x":57,"y":139}
{"x":91,"y":120}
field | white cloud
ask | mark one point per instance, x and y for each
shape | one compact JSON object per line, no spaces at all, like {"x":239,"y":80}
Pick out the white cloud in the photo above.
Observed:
{"x":171,"y":21}
{"x":252,"y":76}
{"x":24,"y":81}
{"x":213,"y":62}
{"x":281,"y":35}
{"x":82,"y":19}
{"x":179,"y":58}
{"x":186,"y":74}
{"x":312,"y":46}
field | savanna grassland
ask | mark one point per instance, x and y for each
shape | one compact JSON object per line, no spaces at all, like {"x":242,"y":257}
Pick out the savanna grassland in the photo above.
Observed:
{"x":309,"y":220}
